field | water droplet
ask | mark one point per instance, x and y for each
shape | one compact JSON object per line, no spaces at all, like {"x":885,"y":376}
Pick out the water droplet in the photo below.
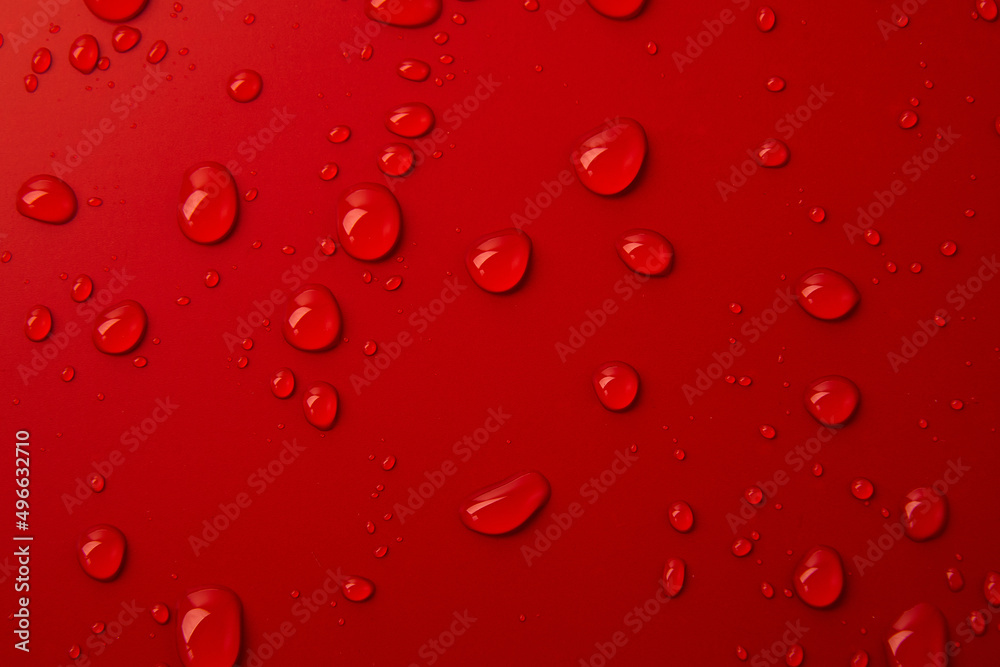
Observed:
{"x":681,"y":516}
{"x":872,"y":237}
{"x":827,"y":294}
{"x":160,"y":613}
{"x":208,"y":627}
{"x":82,"y":288}
{"x":497,"y":262}
{"x":396,"y":160}
{"x":124,"y":38}
{"x":357,"y":589}
{"x":414,"y":70}
{"x":766,"y":590}
{"x":673,"y":577}
{"x":403,"y":13}
{"x":908,"y":119}
{"x":327,"y":246}
{"x":987,"y":9}
{"x":329,"y":171}
{"x":767,"y":431}
{"x":617,"y":9}
{"x":283,"y":383}
{"x":368,"y":221}
{"x":120,"y":328}
{"x":918,"y":632}
{"x":312,"y":319}
{"x":531,"y":5}
{"x":47,"y":199}
{"x":505,"y":505}
{"x":183,"y":300}
{"x":832,"y":399}
{"x":157,"y":52}
{"x":96,"y":481}
{"x":735,"y":308}
{"x":211,"y":278}
{"x":101,"y":551}
{"x":115,"y":11}
{"x":320,"y":401}
{"x":74,"y":651}
{"x":754,"y":495}
{"x":393,"y":282}
{"x":410,"y":120}
{"x":249,"y":19}
{"x":616,"y":384}
{"x":209,"y":203}
{"x":741,"y":653}
{"x":948,"y":248}
{"x":339,"y":134}
{"x":31,"y":83}
{"x":83,"y":53}
{"x":38,"y":323}
{"x":41,"y":61}
{"x":645,"y":252}
{"x":924,"y":514}
{"x":772,"y":154}
{"x":991,"y":588}
{"x":441,"y":38}
{"x":862,"y":488}
{"x":819,"y":577}
{"x":741,"y":547}
{"x":609,"y":157}
{"x":245,"y":85}
{"x":957,"y":404}
{"x":140,"y":362}
{"x":955,"y":580}
{"x":367,"y":52}
{"x":68,"y":374}
{"x":765,"y":19}
{"x":775,"y":84}
{"x":817,"y":214}
{"x":860,"y":659}
{"x":389,"y":462}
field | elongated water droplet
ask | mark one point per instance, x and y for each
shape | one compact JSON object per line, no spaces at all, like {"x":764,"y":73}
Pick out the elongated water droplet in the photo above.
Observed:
{"x":208,"y":627}
{"x":414,"y":70}
{"x":497,"y":262}
{"x":832,"y":399}
{"x":41,"y":61}
{"x":101,"y":552}
{"x":209,"y":203}
{"x":506,"y":505}
{"x":616,"y":384}
{"x":47,"y":199}
{"x":925,"y":514}
{"x":681,"y":516}
{"x":120,"y":328}
{"x":617,"y":9}
{"x":31,"y":83}
{"x":157,"y":52}
{"x":410,"y":120}
{"x":673,"y":577}
{"x":608,"y":158}
{"x":819,"y":577}
{"x":368,"y":221}
{"x":956,"y":581}
{"x":320,"y":401}
{"x":82,"y":288}
{"x":312,"y":319}
{"x":38,"y":323}
{"x":115,"y":11}
{"x":919,"y":632}
{"x":124,"y":38}
{"x":357,"y":589}
{"x":84,"y":52}
{"x":827,"y":294}
{"x":403,"y":13}
{"x":645,"y":252}
{"x":245,"y":85}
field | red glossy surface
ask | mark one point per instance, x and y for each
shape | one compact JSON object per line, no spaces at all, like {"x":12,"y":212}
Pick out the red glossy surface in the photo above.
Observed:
{"x":526,"y":85}
{"x":505,"y":505}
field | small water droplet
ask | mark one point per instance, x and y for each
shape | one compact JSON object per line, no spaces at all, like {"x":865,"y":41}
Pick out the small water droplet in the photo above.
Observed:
{"x":862,"y":488}
{"x":320,"y":402}
{"x":616,"y":384}
{"x":157,"y":52}
{"x":765,"y":19}
{"x":245,"y":85}
{"x":101,"y":551}
{"x":38,"y":323}
{"x":681,"y":516}
{"x":414,"y":70}
{"x":775,"y":84}
{"x":925,"y":514}
{"x":124,"y":38}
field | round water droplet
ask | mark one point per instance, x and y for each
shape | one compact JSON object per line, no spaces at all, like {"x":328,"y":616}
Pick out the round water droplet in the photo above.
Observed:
{"x":862,"y":488}
{"x":339,"y":134}
{"x":245,"y":85}
{"x":211,"y":278}
{"x":83,"y":53}
{"x":208,"y":627}
{"x":410,"y":120}
{"x":908,"y":119}
{"x":396,"y":160}
{"x":38,"y":323}
{"x":283,"y":383}
{"x":329,"y":171}
{"x":41,"y":61}
{"x":403,"y":13}
{"x":987,"y":9}
{"x":115,"y":11}
{"x":497,"y":262}
{"x":82,"y":288}
{"x":160,"y":613}
{"x":741,"y":547}
{"x":157,"y":52}
{"x":819,"y":577}
{"x":320,"y":402}
{"x":312,"y":319}
{"x":925,"y":514}
{"x":368,"y":221}
{"x":101,"y":552}
{"x":754,"y":495}
{"x":120,"y":328}
{"x":357,"y":589}
{"x":827,"y":294}
{"x":608,"y":158}
{"x":506,"y":505}
{"x":775,"y":84}
{"x":681,"y":516}
{"x":96,"y":481}
{"x":860,"y":659}
{"x":772,"y":154}
{"x":948,"y":248}
{"x":767,"y":431}
{"x":991,"y":588}
{"x":616,"y":384}
{"x":765,"y":19}
{"x":832,"y":399}
{"x":47,"y":199}
{"x":68,"y":374}
{"x":124,"y":38}
{"x":919,"y":632}
{"x":673,"y":577}
{"x":414,"y":70}
{"x":209,"y":203}
{"x":955,"y":579}
{"x":617,"y":9}
{"x":652,"y":48}
{"x":645,"y":252}
{"x":817,"y":214}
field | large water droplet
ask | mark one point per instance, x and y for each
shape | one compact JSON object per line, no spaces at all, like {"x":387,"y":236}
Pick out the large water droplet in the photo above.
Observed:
{"x":115,"y":10}
{"x":506,"y":505}
{"x":991,"y":588}
{"x":312,"y":319}
{"x":396,"y":160}
{"x":368,"y":221}
{"x":47,"y":199}
{"x":410,"y":120}
{"x":84,"y":52}
{"x":819,"y":577}
{"x":617,"y":9}
{"x":120,"y":328}
{"x":208,"y":627}
{"x":124,"y":38}
{"x":414,"y":70}
{"x":403,"y":13}
{"x":38,"y":323}
{"x":918,"y":633}
{"x":772,"y":154}
{"x":209,"y":203}
{"x":497,"y":262}
{"x":673,"y":577}
{"x":827,"y":294}
{"x":765,"y":19}
{"x":609,"y":157}
{"x":245,"y":85}
{"x":924,"y":514}
{"x":41,"y":61}
{"x":83,"y":286}
{"x":681,"y":516}
{"x":283,"y":383}
{"x":616,"y":384}
{"x":987,"y":9}
{"x":357,"y":589}
{"x":320,"y":402}
{"x":832,"y":399}
{"x":646,"y":252}
{"x":101,"y":552}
